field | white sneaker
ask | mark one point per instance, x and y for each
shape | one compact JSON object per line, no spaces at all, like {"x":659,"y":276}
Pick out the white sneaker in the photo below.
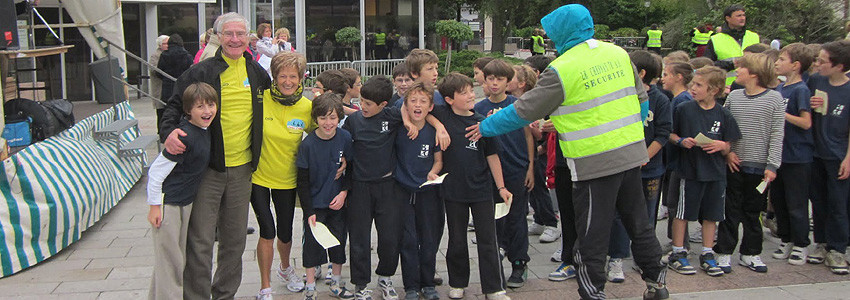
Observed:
{"x":550,"y":234}
{"x":818,"y":255}
{"x":535,"y":229}
{"x":556,"y":256}
{"x":783,"y":251}
{"x":615,"y":270}
{"x":798,"y":256}
{"x":500,"y":295}
{"x":387,"y":290}
{"x":753,"y":262}
{"x":724,"y":261}
{"x":456,"y":293}
{"x":265,"y":294}
{"x":294,"y":283}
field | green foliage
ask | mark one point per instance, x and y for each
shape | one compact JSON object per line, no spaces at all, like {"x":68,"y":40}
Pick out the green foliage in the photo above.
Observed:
{"x":348,"y":36}
{"x":524,"y":32}
{"x":462,"y":60}
{"x":625,"y":32}
{"x":454,"y":30}
{"x":602,"y":31}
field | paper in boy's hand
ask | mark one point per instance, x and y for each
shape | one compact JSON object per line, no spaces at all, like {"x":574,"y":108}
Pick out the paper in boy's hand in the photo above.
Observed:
{"x":502,"y":210}
{"x":437,"y":180}
{"x":761,"y":187}
{"x":324,"y":236}
{"x":703,"y":140}
{"x":822,"y":109}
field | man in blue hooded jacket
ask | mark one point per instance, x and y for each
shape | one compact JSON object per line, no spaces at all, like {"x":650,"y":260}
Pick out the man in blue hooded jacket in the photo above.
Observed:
{"x":597,"y":102}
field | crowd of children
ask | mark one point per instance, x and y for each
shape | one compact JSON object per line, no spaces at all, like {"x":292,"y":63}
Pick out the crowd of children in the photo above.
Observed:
{"x":776,"y":141}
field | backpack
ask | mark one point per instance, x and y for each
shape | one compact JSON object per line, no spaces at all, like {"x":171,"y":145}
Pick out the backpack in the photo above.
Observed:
{"x":46,"y":119}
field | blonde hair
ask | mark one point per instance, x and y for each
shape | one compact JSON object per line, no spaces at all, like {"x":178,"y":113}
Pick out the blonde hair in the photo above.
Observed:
{"x":714,"y":76}
{"x":760,"y":65}
{"x":417,"y":58}
{"x":283,"y":60}
{"x":283,"y":31}
{"x":526,"y":74}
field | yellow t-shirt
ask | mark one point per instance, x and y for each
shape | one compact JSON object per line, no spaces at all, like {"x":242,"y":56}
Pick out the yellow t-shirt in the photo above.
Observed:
{"x":237,"y":113}
{"x":283,"y":129}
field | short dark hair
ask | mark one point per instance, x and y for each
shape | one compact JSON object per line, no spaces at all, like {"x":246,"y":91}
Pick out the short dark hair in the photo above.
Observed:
{"x":420,"y":87}
{"x":452,"y":83}
{"x":377,"y":89}
{"x":175,"y":40}
{"x":653,"y":26}
{"x":839,"y":53}
{"x":644,"y":60}
{"x":334,"y":81}
{"x":538,"y":62}
{"x":326,"y":103}
{"x":732,"y":9}
{"x":198,"y":92}
{"x":481,"y":62}
{"x":800,"y":53}
{"x":350,"y":75}
{"x":757,"y":48}
{"x":401,"y":70}
{"x":684,"y":69}
{"x":499,"y":68}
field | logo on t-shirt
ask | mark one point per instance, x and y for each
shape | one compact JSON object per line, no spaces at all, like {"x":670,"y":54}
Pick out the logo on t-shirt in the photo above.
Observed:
{"x":295,"y":124}
{"x":715,"y":128}
{"x":473,"y":145}
{"x":425,"y":151}
{"x":649,"y":118}
{"x":339,"y":161}
{"x":246,"y":83}
{"x":786,"y":101}
{"x":838,"y":110}
{"x":385,"y":126}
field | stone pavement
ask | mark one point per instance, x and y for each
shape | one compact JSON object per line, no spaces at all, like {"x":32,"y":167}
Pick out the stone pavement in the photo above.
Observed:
{"x":112,"y":260}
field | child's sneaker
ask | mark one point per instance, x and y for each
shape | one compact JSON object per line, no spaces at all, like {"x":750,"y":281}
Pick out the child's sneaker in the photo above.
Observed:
{"x":836,"y":263}
{"x":456,"y":293}
{"x":310,"y":294}
{"x":500,"y":295}
{"x":387,"y":289}
{"x":411,"y":294}
{"x":556,"y":256}
{"x":797,"y":256}
{"x":438,"y":280}
{"x":818,"y":255}
{"x":328,"y":277}
{"x":363,"y":294}
{"x":519,"y":273}
{"x":662,"y":213}
{"x":783,"y":251}
{"x":709,"y":264}
{"x":615,"y":270}
{"x":294,"y":283}
{"x":535,"y":229}
{"x":678,"y":261}
{"x":265,"y":294}
{"x":550,"y":234}
{"x":562,"y":273}
{"x":430,"y":293}
{"x":338,"y":290}
{"x":753,"y":262}
{"x":724,"y":261}
{"x":655,"y":291}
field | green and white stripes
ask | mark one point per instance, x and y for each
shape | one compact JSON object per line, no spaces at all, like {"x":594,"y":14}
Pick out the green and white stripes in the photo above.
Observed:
{"x":54,"y":190}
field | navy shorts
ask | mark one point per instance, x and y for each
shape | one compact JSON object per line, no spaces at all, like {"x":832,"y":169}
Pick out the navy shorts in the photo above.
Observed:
{"x":701,"y":200}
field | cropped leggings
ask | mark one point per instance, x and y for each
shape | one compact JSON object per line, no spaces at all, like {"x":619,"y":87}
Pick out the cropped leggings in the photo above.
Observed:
{"x":284,"y":209}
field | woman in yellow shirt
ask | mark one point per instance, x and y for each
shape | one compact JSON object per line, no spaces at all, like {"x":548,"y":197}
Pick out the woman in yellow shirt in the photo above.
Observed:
{"x":286,"y":119}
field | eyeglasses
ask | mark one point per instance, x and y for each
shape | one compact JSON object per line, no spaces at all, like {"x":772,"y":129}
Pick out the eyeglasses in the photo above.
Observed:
{"x":232,"y":34}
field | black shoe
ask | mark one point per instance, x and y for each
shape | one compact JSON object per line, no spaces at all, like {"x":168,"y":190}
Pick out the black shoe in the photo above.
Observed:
{"x":518,"y":275}
{"x":655,"y":291}
{"x":437,"y":279}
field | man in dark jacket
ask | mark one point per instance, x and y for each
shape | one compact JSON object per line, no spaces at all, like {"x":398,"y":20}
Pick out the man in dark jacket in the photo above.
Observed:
{"x":236,"y":136}
{"x":174,"y":60}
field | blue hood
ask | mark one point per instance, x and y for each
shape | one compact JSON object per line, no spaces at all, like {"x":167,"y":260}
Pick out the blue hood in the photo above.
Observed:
{"x":568,"y":26}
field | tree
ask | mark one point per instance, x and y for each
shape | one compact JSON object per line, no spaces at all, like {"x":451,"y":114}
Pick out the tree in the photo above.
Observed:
{"x":349,"y":36}
{"x":454,"y":31}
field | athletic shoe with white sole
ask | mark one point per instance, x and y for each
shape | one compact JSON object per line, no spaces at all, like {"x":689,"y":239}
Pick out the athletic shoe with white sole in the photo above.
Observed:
{"x":798,"y":256}
{"x":678,"y":261}
{"x":724,"y":261}
{"x":709,"y":265}
{"x":387,"y":290}
{"x":550,"y":234}
{"x":563,"y":272}
{"x":818,"y":255}
{"x":783,"y":251}
{"x":615,"y":270}
{"x":535,"y":229}
{"x":456,"y":293}
{"x":836,"y":263}
{"x":294,"y":283}
{"x":753,"y":262}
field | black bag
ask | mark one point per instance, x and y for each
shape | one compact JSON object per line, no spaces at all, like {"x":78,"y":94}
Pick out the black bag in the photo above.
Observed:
{"x":45,"y":122}
{"x":62,"y":110}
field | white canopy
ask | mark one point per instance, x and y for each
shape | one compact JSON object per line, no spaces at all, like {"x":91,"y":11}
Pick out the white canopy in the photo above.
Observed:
{"x":104,"y":20}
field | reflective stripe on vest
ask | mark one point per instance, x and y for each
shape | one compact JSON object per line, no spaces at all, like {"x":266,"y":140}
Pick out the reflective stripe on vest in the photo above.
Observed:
{"x":537,"y":40}
{"x":380,"y":39}
{"x":727,"y":48}
{"x":601,"y":111}
{"x":654,"y":39}
{"x":701,"y":38}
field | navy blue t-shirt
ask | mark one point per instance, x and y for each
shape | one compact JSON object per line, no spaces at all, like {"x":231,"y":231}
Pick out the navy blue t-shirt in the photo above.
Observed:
{"x":415,"y":157}
{"x":798,"y":145}
{"x":671,"y":150}
{"x":830,"y":130}
{"x":374,"y":143}
{"x":513,"y":152}
{"x":716,"y":123}
{"x":322,"y":159}
{"x":181,"y":185}
{"x":657,"y":127}
{"x":438,"y":100}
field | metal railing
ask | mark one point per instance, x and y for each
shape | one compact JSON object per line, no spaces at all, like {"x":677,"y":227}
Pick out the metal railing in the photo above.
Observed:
{"x":109,"y":46}
{"x":629,"y":43}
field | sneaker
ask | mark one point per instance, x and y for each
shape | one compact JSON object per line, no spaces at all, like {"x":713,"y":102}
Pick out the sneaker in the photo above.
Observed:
{"x":615,"y":270}
{"x":753,"y":262}
{"x":783,"y":251}
{"x":798,"y":256}
{"x":265,"y":294}
{"x":338,"y":290}
{"x":318,"y":273}
{"x":665,"y":259}
{"x":836,"y":263}
{"x":387,"y":289}
{"x":662,"y":213}
{"x":709,"y":265}
{"x":411,"y":294}
{"x":500,"y":295}
{"x":456,"y":293}
{"x":294,"y":283}
{"x":550,"y":234}
{"x":363,"y":294}
{"x":724,"y":261}
{"x":556,"y":256}
{"x":437,"y":279}
{"x":655,"y":291}
{"x":535,"y":229}
{"x":769,"y":223}
{"x":519,"y":274}
{"x":563,"y":272}
{"x":818,"y":255}
{"x":430,"y":293}
{"x":678,"y":261}
{"x":309,"y":295}
{"x":328,"y":277}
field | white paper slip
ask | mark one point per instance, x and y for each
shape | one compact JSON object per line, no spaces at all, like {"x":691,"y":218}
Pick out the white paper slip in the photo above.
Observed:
{"x":823,"y":108}
{"x":324,"y":236}
{"x":502,"y":210}
{"x":437,"y":180}
{"x":761,"y":187}
{"x":703,"y":140}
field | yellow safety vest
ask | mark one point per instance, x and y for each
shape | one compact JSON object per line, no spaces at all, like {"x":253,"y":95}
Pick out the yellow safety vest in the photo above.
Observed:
{"x":701,"y":38}
{"x":654,"y":39}
{"x":601,"y":109}
{"x":537,"y":48}
{"x":380,"y":39}
{"x":727,"y":48}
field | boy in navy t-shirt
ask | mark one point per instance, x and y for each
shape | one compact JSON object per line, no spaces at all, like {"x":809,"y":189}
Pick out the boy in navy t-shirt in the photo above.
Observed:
{"x":422,"y":67}
{"x":789,"y":192}
{"x":173,"y":182}
{"x":831,"y":168}
{"x":323,"y":195}
{"x":517,"y":147}
{"x":419,"y":160}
